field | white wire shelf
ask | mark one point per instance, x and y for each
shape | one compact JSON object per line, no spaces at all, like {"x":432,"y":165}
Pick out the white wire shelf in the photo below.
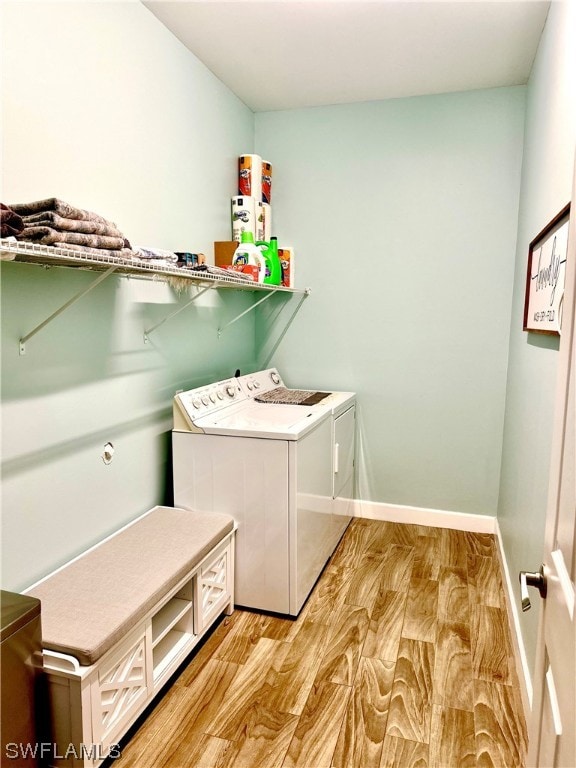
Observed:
{"x":50,"y":255}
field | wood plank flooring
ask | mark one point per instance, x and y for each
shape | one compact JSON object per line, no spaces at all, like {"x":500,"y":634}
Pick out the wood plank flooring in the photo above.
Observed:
{"x":401,"y":657}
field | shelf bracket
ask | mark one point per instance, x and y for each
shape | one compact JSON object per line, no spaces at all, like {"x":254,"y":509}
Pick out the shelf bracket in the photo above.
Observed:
{"x":230,"y":322}
{"x":286,"y":326}
{"x":65,"y":306}
{"x":180,"y":309}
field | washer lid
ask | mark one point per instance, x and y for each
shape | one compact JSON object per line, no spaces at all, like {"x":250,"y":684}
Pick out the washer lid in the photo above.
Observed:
{"x":288,"y":422}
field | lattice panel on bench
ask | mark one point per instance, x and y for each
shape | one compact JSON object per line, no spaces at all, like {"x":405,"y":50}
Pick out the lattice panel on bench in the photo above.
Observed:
{"x":121,"y":686}
{"x":213,"y":583}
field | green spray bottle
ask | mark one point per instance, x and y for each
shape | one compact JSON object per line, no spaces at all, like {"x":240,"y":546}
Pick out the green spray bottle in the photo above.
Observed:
{"x":273,"y":267}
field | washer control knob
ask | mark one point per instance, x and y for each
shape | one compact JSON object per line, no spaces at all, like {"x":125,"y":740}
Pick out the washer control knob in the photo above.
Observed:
{"x":230,"y":390}
{"x":275,"y":378}
{"x":205,"y":400}
{"x":212,"y":397}
{"x":250,"y":385}
{"x":256,"y":385}
{"x":220,"y":395}
{"x":196,"y":403}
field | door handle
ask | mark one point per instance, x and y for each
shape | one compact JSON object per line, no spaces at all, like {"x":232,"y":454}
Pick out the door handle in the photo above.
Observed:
{"x":528,"y":579}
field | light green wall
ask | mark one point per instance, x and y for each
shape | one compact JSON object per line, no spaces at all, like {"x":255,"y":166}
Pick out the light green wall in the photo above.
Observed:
{"x":403,"y":214}
{"x":404,"y":219}
{"x":550,"y":140}
{"x":104,"y":108}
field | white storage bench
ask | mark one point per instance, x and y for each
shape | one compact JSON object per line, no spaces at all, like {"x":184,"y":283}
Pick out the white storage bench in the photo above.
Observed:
{"x":119,"y":619}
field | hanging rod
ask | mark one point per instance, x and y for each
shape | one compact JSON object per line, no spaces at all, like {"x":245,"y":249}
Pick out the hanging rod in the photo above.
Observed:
{"x":230,"y":322}
{"x":180,"y":309}
{"x":65,"y":306}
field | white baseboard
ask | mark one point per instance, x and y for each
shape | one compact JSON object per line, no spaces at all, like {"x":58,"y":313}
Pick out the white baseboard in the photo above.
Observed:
{"x":524,"y":675}
{"x":397,"y":513}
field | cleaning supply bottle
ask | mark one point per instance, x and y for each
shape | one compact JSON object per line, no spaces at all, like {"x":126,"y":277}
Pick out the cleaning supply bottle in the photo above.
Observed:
{"x":248,"y":252}
{"x":269,"y":251}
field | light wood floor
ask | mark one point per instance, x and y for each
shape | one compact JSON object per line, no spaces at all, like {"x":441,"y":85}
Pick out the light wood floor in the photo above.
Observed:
{"x":401,"y":657}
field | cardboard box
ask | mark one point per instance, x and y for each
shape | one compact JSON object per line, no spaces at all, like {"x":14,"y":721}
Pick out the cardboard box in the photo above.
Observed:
{"x":223,"y":252}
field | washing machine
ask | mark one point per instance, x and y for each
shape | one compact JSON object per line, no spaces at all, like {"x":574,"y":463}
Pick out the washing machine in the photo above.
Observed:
{"x":281,"y":462}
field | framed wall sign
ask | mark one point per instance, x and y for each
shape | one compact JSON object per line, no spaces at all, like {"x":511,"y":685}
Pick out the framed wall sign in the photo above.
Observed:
{"x":546,"y":275}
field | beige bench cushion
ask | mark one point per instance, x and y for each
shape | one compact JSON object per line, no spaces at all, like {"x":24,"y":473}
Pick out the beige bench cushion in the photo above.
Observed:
{"x":90,"y":604}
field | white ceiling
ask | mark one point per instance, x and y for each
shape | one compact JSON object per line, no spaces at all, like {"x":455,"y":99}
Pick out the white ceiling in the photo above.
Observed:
{"x":280,"y":54}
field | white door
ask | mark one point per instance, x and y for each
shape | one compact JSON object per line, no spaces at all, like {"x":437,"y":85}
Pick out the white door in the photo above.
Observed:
{"x":552,"y":729}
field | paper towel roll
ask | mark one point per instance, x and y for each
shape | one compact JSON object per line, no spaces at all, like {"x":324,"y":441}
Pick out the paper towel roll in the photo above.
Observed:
{"x":267,"y":210}
{"x":266,"y":182}
{"x":243,"y":216}
{"x":250,"y":176}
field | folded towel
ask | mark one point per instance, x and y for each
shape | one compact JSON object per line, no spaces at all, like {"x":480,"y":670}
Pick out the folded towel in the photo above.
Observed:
{"x":152,"y":262}
{"x":61,"y":223}
{"x":124,"y":253}
{"x":11,"y":223}
{"x":49,"y":236}
{"x":154,"y":253}
{"x":57,"y":206}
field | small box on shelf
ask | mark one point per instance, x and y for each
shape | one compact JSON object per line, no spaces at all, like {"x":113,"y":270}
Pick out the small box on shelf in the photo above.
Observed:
{"x":223,"y":252}
{"x":286,"y":256}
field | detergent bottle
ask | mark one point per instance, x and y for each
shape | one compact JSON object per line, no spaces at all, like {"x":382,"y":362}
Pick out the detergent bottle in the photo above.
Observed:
{"x":269,"y":251}
{"x":248,"y":253}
